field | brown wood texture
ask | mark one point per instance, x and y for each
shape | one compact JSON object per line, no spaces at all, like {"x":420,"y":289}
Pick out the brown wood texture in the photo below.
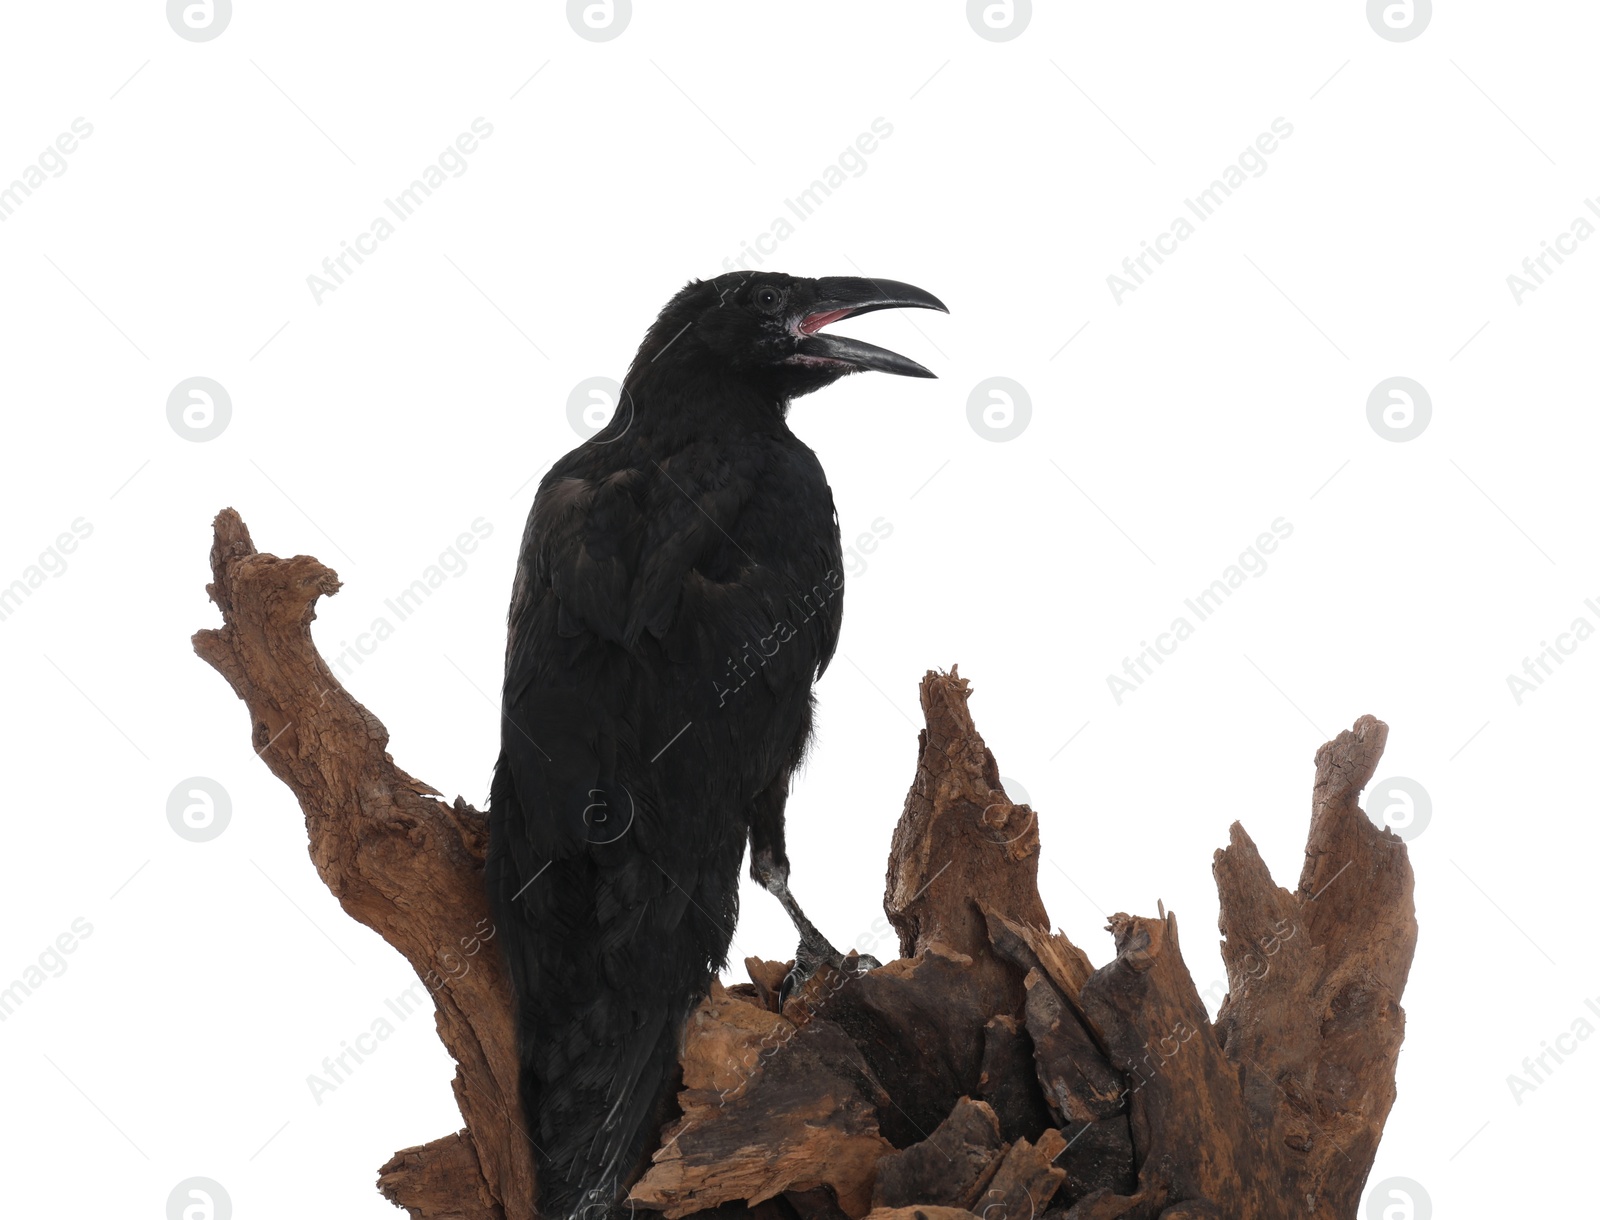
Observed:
{"x":991,"y":1071}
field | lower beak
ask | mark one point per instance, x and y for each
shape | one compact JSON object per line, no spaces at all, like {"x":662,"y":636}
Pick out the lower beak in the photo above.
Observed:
{"x":841,"y":297}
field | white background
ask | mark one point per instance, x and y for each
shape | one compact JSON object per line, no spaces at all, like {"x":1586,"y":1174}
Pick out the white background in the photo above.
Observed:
{"x":430,"y":389}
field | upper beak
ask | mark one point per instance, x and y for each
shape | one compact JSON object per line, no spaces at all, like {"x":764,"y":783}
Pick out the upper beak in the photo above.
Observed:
{"x":843,"y":296}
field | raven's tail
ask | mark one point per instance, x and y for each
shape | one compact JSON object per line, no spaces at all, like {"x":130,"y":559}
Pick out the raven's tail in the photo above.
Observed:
{"x":609,"y":949}
{"x":591,"y":1158}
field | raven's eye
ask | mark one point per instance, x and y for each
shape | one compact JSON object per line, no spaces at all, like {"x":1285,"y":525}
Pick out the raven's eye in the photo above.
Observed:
{"x":767,"y":298}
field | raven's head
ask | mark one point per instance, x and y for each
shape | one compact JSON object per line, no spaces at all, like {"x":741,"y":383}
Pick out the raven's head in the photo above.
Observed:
{"x":764,"y":329}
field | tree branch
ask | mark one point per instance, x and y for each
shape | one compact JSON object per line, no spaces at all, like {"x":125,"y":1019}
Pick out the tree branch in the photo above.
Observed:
{"x":396,"y":855}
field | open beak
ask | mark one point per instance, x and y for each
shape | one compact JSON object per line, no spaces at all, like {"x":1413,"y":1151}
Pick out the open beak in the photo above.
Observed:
{"x":843,"y":296}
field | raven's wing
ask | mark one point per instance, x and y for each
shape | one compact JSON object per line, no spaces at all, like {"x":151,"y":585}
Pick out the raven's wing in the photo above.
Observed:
{"x":685,"y":580}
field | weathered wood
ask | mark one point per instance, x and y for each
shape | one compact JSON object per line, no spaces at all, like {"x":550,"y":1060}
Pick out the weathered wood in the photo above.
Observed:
{"x":920,"y":1022}
{"x":399,"y":858}
{"x":768,"y":1107}
{"x":959,"y":837}
{"x":818,"y":1203}
{"x":1079,"y":1084}
{"x":767,"y":978}
{"x":1099,"y":1156}
{"x":926,"y":1086}
{"x":1313,"y":1017}
{"x":442,"y":1180}
{"x":950,"y":1168}
{"x":1191,"y":1130}
{"x":1026,"y":1181}
{"x":1008,"y":1079}
{"x":1104,"y":1205}
{"x":1032,"y":948}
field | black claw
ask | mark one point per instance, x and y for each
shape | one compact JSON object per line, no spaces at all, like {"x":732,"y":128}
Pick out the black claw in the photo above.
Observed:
{"x":811,"y":956}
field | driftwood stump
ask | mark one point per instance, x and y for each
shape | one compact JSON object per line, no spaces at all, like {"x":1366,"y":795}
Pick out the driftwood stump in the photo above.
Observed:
{"x":991,"y":1070}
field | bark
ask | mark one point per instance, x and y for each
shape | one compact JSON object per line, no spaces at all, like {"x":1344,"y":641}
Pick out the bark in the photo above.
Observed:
{"x":396,"y":854}
{"x":989,"y":1071}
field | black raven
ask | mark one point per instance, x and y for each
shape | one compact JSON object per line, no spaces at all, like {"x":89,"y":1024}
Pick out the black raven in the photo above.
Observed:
{"x":678,"y":591}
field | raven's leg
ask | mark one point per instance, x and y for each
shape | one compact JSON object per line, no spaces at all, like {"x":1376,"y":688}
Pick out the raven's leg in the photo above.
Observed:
{"x":769,"y":866}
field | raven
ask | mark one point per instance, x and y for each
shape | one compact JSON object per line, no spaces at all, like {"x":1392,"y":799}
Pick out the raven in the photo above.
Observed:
{"x":678,"y":590}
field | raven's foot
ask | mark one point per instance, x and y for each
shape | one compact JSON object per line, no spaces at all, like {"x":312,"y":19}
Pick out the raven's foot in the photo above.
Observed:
{"x":810,"y":957}
{"x":815,"y":950}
